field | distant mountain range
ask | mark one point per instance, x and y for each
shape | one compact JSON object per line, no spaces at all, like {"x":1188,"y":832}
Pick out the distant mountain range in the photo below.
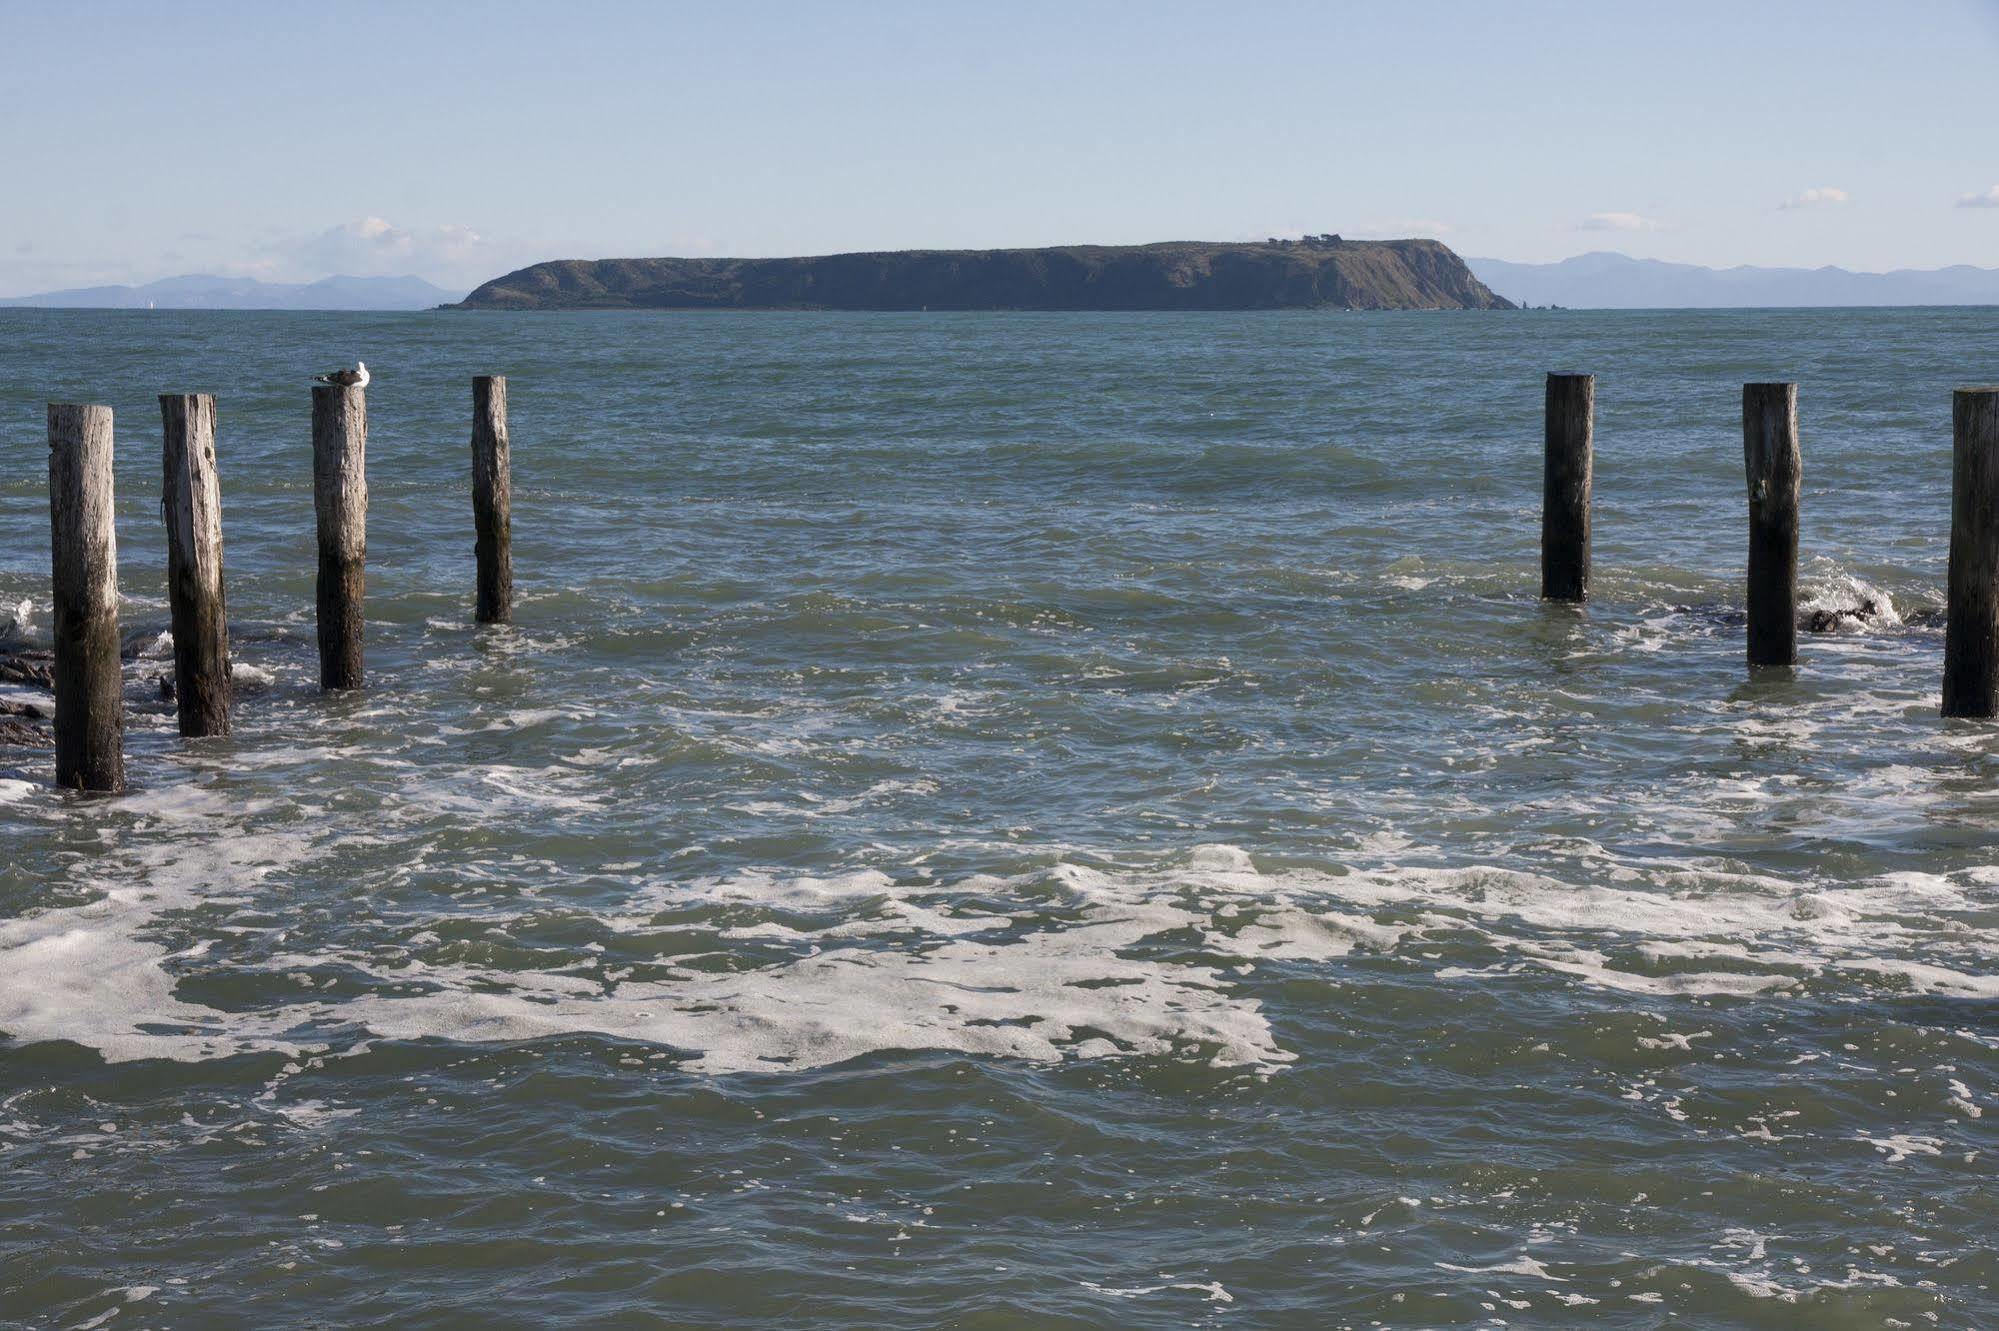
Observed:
{"x":201,"y":292}
{"x":1605,"y":281}
{"x":1403,"y":274}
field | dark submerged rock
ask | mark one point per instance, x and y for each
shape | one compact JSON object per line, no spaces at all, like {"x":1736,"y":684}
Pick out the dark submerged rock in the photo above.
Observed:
{"x":32,"y":668}
{"x":1832,"y":620}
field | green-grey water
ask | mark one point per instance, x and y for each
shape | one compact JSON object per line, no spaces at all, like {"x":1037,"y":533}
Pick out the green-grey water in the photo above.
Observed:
{"x":1014,"y":821}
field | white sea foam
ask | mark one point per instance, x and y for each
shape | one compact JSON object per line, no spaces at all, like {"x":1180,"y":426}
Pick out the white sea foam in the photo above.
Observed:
{"x":1524,"y":1265}
{"x":245,"y":676}
{"x":1847,"y":603}
{"x":1063,"y":962}
{"x":1211,"y":1289}
{"x":91,"y":974}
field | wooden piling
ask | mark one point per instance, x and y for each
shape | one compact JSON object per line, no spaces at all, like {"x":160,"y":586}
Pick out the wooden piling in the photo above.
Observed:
{"x":83,"y":547}
{"x":492,"y":499}
{"x":1569,"y":425}
{"x":1971,"y":628}
{"x":340,"y":501}
{"x":1774,"y":467}
{"x":191,"y":503}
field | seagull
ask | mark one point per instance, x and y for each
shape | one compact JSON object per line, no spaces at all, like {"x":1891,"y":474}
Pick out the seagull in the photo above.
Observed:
{"x":354,"y":378}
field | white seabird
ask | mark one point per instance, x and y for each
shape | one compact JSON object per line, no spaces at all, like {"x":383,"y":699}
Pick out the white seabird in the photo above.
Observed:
{"x":354,"y":378}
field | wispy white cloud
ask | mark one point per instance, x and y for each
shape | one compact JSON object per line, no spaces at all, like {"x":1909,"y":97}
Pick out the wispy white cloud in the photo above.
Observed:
{"x":30,"y":275}
{"x":449,"y":254}
{"x":1822,"y":196}
{"x":1617,"y":222}
{"x":374,"y":247}
{"x":1983,"y":199}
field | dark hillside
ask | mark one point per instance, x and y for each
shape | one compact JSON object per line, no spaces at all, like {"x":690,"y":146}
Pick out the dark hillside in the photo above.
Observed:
{"x":1317,"y":272}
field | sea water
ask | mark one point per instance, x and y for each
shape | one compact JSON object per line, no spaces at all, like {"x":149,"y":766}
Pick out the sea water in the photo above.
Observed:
{"x":1014,"y":821}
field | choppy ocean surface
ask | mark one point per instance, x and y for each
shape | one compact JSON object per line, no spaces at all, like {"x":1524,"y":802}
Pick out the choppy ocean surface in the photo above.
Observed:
{"x":1015,"y":821}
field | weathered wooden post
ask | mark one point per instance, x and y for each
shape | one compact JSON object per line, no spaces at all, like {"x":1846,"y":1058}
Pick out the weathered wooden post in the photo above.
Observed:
{"x":191,"y":503}
{"x":340,"y":501}
{"x":1771,"y":458}
{"x":83,"y":547}
{"x":1971,"y":630}
{"x":492,"y":499}
{"x":1569,"y":425}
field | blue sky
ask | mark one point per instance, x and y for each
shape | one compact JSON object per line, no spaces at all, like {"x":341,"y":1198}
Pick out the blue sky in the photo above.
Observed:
{"x":458,"y":141}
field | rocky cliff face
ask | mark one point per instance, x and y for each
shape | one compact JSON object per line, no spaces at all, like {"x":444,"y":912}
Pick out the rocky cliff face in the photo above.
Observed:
{"x":1317,"y":272}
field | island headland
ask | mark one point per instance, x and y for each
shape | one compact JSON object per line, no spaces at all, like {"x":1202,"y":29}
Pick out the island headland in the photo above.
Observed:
{"x":1316,"y":272}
